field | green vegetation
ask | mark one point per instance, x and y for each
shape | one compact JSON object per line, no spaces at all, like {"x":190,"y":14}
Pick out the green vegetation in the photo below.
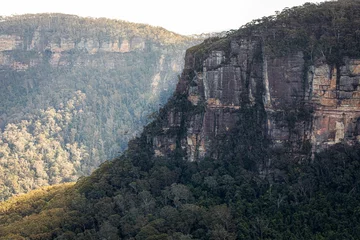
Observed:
{"x":143,"y":197}
{"x":57,"y":26}
{"x":33,"y":151}
{"x":329,"y":31}
{"x":81,"y":98}
{"x":46,"y":206}
{"x":236,"y":195}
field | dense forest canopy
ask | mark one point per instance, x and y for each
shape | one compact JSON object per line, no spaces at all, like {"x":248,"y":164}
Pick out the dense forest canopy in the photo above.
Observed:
{"x":58,"y":26}
{"x":330,"y":30}
{"x":142,"y":196}
{"x":75,"y":90}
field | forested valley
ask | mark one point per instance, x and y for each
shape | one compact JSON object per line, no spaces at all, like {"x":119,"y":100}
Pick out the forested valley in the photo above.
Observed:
{"x":75,"y":91}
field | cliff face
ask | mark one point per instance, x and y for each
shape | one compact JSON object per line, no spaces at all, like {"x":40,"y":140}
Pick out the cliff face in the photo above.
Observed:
{"x":22,"y":53}
{"x":60,"y":50}
{"x":304,"y":104}
{"x":322,"y":103}
{"x":41,"y":42}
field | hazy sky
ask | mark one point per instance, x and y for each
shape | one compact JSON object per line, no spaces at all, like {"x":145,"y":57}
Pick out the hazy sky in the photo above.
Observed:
{"x":181,"y":16}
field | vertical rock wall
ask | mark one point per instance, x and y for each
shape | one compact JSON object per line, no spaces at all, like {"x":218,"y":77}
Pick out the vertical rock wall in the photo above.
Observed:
{"x":304,"y":104}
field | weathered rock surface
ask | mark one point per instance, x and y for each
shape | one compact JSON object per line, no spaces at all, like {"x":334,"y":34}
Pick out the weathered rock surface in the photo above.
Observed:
{"x":317,"y":104}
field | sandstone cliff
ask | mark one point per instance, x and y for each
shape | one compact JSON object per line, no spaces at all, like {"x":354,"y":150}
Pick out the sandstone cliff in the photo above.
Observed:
{"x":304,"y":96}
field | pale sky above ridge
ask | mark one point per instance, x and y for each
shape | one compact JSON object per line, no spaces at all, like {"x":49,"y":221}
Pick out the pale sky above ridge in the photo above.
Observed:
{"x":183,"y":16}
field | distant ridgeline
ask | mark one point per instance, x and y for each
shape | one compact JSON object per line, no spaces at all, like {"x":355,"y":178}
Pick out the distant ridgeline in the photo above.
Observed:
{"x":259,"y":141}
{"x":75,"y":90}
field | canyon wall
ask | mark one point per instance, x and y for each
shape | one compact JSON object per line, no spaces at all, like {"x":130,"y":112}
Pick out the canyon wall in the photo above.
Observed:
{"x":308,"y":107}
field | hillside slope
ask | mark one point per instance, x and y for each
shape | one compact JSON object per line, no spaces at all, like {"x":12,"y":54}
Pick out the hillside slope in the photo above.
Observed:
{"x":75,"y":90}
{"x":210,"y":166}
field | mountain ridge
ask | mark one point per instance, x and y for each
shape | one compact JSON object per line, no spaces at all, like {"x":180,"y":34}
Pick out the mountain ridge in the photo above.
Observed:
{"x":239,"y":180}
